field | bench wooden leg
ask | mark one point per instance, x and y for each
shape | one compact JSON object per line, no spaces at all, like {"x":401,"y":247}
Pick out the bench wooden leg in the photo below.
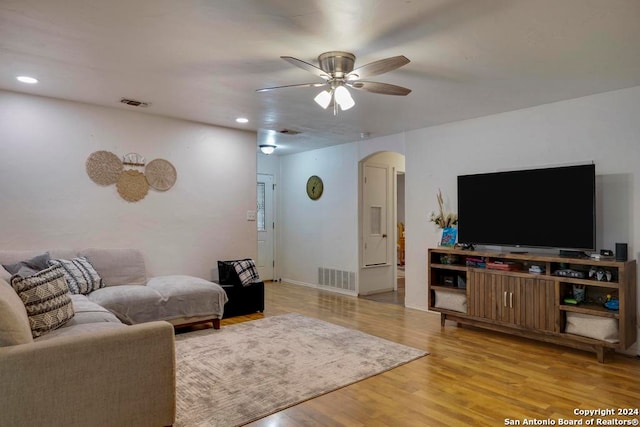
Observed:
{"x":216,"y":323}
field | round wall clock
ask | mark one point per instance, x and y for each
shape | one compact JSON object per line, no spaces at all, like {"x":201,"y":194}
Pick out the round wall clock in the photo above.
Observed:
{"x":314,"y":187}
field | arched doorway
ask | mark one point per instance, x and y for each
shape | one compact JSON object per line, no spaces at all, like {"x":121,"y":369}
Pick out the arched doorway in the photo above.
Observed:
{"x":377,"y":222}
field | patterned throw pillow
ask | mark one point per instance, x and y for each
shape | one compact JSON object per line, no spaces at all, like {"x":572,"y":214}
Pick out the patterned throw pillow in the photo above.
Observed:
{"x":235,"y":272}
{"x":80,"y":275}
{"x":46,"y":297}
{"x":247,"y":271}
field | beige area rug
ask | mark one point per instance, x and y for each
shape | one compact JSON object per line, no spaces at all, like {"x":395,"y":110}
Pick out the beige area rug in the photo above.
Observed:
{"x":246,"y":371}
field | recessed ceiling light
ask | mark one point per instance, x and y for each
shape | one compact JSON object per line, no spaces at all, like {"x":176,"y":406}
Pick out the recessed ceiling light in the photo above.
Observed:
{"x":242,"y":120}
{"x":27,"y":79}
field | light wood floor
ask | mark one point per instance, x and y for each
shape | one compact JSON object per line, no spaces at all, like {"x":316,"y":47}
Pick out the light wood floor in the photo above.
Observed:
{"x":472,"y":377}
{"x":393,"y":297}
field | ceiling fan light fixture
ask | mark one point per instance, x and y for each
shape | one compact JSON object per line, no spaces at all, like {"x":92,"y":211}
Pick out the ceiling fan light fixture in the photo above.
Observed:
{"x":343,"y":98}
{"x":267,"y":148}
{"x":323,"y":99}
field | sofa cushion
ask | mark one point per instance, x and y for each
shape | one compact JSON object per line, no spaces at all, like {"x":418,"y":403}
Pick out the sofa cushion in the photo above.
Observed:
{"x":87,"y":311}
{"x":131,"y":304}
{"x":37,"y":263}
{"x":14,"y":323}
{"x":117,"y":266}
{"x":188,"y":296}
{"x":46,"y":298}
{"x":80,"y":275}
{"x":83,"y":328}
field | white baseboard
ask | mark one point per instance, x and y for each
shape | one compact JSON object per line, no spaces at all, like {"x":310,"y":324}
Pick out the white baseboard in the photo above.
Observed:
{"x":378,"y":291}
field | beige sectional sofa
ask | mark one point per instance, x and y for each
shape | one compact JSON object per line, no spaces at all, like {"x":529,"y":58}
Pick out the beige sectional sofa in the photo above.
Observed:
{"x":113,"y":362}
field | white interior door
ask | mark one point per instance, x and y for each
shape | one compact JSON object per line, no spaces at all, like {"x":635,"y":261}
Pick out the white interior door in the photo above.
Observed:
{"x":376,"y":204}
{"x":266,"y":226}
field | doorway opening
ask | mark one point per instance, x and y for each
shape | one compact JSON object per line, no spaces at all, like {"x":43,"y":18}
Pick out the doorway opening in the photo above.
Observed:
{"x":381,"y":228}
{"x":265,"y":222}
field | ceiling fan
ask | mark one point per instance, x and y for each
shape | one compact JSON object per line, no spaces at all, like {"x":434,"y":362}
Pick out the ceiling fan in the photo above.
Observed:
{"x":336,"y":69}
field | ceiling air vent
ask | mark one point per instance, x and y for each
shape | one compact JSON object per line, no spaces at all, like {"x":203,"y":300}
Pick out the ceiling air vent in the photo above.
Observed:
{"x":289,"y":132}
{"x":135,"y":103}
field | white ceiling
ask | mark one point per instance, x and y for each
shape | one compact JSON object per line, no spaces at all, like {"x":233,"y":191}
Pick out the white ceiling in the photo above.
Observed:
{"x":202,"y":60}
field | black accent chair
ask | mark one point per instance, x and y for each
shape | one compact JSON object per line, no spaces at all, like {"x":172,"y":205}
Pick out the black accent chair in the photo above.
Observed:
{"x":243,"y":299}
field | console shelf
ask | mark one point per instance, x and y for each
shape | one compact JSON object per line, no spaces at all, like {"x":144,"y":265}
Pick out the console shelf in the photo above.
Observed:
{"x":591,"y":309}
{"x":509,"y":298}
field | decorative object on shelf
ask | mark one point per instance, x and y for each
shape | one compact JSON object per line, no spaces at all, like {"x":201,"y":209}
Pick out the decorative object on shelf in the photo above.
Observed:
{"x":567,"y":272}
{"x":445,"y":222}
{"x":442,"y":219}
{"x":477,"y":262}
{"x":132,"y":185}
{"x":104,"y":167}
{"x":536,"y":269}
{"x":600,"y":274}
{"x":579,"y":292}
{"x":464,"y":246}
{"x":448,"y":236}
{"x":612,"y":304}
{"x":448,"y":259}
{"x":315,"y":187}
{"x":160,"y":174}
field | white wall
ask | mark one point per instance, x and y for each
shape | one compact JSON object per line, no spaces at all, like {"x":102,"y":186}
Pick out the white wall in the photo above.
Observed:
{"x":400,"y":192}
{"x":394,"y":143}
{"x":268,"y":164}
{"x":604,"y":128}
{"x":320,"y":233}
{"x":48,"y":200}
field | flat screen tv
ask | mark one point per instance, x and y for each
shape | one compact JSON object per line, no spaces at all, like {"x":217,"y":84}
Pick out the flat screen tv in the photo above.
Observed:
{"x":551,"y":208}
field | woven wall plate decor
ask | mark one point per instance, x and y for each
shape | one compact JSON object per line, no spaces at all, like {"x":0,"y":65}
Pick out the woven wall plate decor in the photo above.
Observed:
{"x":160,"y":174}
{"x":104,"y":167}
{"x":132,"y":185}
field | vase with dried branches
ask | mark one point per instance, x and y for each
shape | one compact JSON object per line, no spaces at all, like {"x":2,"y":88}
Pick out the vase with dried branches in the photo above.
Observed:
{"x":443,"y":219}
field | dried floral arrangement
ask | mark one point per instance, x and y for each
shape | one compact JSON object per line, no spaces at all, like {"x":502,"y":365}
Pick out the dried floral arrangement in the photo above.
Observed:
{"x":442,"y":219}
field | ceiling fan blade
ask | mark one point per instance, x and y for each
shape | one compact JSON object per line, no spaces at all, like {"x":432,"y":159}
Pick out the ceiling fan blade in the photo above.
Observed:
{"x":378,"y":67}
{"x":306,"y":66}
{"x":382,"y":88}
{"x":265,"y":89}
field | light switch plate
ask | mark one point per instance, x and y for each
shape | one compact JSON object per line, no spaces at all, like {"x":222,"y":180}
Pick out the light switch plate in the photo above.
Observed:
{"x":251,"y":215}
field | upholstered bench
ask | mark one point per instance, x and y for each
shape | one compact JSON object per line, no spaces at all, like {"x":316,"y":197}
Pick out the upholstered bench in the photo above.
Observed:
{"x":244,"y":298}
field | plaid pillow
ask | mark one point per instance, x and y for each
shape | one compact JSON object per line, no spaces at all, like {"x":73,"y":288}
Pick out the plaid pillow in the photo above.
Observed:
{"x":238,"y":272}
{"x":247,"y":272}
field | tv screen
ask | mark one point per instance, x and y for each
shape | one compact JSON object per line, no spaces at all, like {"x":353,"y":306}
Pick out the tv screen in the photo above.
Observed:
{"x":551,"y":208}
